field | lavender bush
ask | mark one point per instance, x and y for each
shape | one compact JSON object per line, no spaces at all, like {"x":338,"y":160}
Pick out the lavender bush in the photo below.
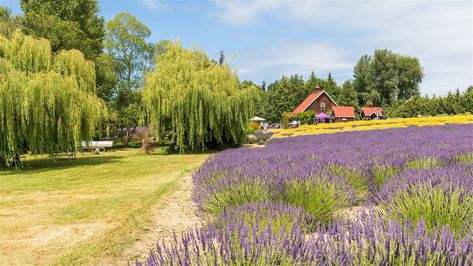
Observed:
{"x":279,"y":217}
{"x":440,"y":196}
{"x":320,"y":196}
{"x":349,"y":162}
{"x":281,"y":205}
{"x":373,"y":243}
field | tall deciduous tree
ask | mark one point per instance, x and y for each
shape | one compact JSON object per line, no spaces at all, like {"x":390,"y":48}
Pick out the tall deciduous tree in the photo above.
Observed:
{"x":66,"y":23}
{"x":47,"y":102}
{"x":387,"y":77}
{"x":106,"y":77}
{"x":126,"y":43}
{"x":196,"y":103}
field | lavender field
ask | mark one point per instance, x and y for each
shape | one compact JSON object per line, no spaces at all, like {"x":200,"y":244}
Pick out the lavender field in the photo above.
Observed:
{"x":383,"y":197}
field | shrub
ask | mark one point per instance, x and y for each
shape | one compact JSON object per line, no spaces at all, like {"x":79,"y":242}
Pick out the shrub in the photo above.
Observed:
{"x":279,"y":217}
{"x":286,"y":117}
{"x":235,"y":193}
{"x":440,"y":197}
{"x":354,"y":178}
{"x":306,"y":118}
{"x":251,"y":139}
{"x":263,"y":136}
{"x":372,"y":243}
{"x":320,"y":197}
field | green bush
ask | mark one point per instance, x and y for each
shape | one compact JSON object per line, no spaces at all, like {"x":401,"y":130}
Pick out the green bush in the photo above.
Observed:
{"x":320,"y":197}
{"x":231,"y":195}
{"x":251,"y":139}
{"x":306,"y":118}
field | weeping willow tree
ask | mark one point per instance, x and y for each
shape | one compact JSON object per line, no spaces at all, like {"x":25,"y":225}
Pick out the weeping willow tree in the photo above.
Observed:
{"x":47,"y":102}
{"x":196,"y":102}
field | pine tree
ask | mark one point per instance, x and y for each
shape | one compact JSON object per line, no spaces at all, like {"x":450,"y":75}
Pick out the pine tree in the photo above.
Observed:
{"x":221,"y":58}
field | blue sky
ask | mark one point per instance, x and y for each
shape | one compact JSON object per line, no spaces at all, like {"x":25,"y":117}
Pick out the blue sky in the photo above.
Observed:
{"x":267,"y":39}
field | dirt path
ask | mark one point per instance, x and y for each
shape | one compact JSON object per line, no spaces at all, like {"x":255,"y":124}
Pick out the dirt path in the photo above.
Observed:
{"x":175,"y":213}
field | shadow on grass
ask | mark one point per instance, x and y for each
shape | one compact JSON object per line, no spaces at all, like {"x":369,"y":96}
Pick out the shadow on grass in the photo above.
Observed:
{"x":41,"y":164}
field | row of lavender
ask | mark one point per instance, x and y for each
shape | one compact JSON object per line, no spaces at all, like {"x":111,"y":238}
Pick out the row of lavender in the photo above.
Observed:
{"x":287,"y":203}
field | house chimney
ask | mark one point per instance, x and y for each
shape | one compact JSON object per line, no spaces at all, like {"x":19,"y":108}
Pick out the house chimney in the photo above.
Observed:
{"x":317,"y":88}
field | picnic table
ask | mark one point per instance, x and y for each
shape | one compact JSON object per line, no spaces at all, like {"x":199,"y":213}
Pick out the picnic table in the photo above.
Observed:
{"x":93,"y":145}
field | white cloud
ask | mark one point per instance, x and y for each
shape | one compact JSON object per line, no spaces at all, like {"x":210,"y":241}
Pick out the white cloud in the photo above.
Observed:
{"x":295,"y":58}
{"x":440,"y":33}
{"x":152,"y":4}
{"x":243,"y":12}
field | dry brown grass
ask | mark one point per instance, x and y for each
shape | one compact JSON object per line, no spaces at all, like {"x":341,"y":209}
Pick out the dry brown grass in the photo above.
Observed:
{"x":88,"y":211}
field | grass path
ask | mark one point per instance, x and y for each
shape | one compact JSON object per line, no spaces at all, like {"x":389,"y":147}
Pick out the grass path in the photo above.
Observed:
{"x":88,"y":211}
{"x":175,"y":213}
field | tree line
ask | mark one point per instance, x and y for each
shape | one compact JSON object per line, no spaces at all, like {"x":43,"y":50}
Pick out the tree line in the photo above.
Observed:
{"x":455,"y":102}
{"x":384,"y":79}
{"x":61,"y":49}
{"x":102,"y":75}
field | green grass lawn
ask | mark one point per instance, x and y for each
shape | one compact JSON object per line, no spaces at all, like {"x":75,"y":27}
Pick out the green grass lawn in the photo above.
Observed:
{"x":85,"y":211}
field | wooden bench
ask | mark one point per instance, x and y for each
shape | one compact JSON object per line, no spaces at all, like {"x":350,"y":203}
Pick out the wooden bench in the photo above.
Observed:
{"x":93,"y":145}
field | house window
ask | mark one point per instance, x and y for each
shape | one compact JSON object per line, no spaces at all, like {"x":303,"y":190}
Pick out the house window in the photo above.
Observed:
{"x":322,"y":106}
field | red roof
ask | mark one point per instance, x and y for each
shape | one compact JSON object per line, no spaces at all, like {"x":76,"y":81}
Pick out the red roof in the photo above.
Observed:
{"x":307,"y":102}
{"x":343,"y":111}
{"x":368,"y":111}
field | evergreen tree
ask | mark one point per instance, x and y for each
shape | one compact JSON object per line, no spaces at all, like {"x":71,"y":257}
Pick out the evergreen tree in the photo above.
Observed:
{"x":221,"y":57}
{"x":348,"y":95}
{"x":362,"y":79}
{"x":330,"y":86}
{"x":455,"y":102}
{"x":312,"y":82}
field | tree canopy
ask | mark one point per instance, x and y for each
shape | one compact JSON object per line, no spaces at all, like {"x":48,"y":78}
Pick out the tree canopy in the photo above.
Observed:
{"x":196,"y":103}
{"x":131,"y":55}
{"x":455,"y":102}
{"x":47,"y":102}
{"x":126,"y":42}
{"x":67,"y":24}
{"x":386,"y":77}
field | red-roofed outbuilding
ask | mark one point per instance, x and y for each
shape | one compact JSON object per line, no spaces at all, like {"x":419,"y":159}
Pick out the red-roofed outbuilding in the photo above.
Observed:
{"x":318,"y":102}
{"x":343,"y":113}
{"x":371,"y":112}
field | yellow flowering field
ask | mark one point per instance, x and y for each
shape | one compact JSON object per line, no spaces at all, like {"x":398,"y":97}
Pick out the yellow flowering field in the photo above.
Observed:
{"x":329,"y":128}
